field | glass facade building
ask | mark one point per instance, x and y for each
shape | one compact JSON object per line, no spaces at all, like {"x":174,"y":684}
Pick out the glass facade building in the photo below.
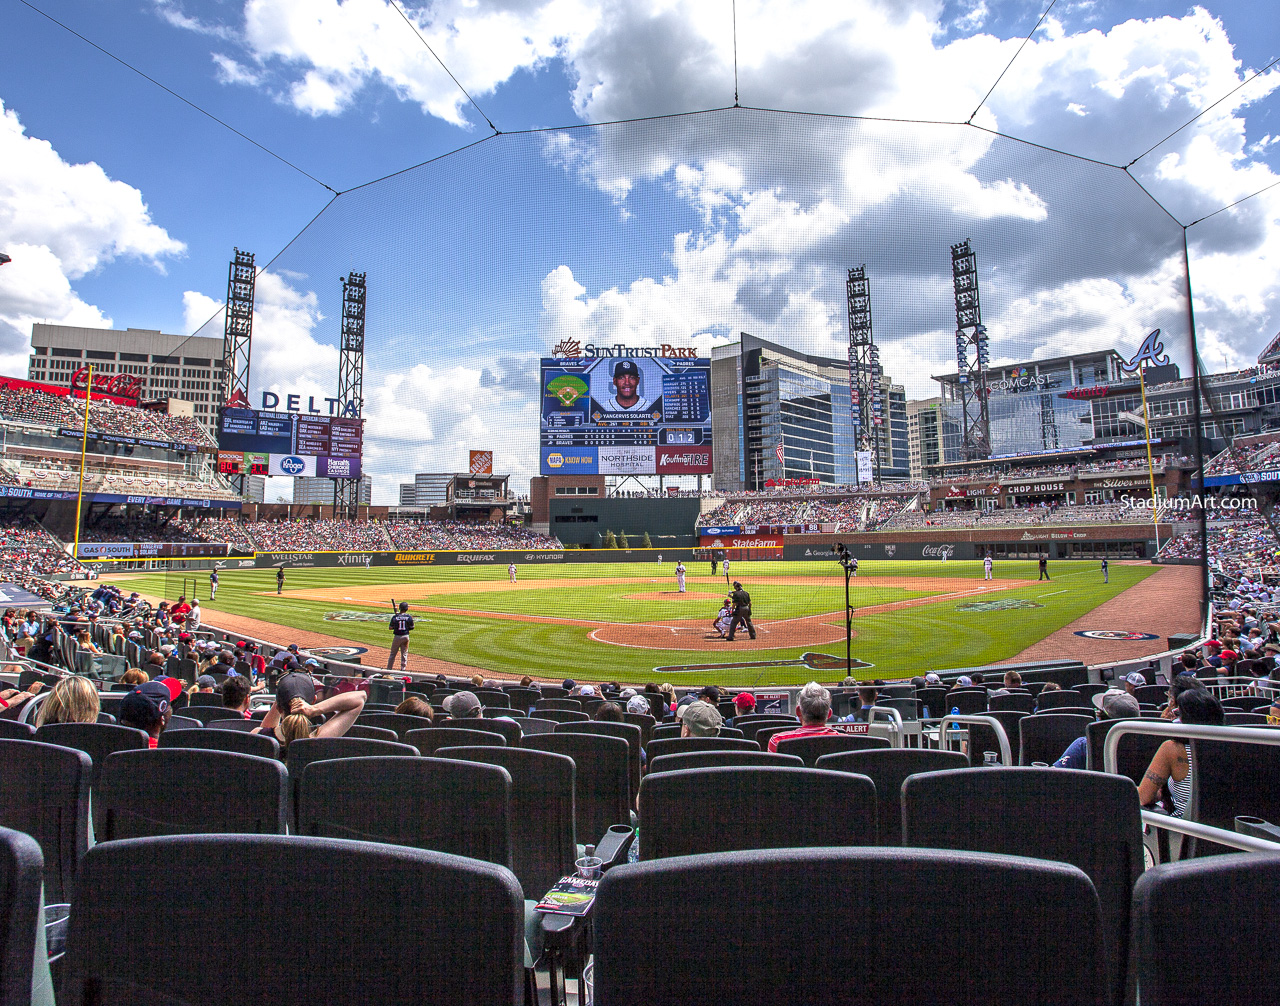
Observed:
{"x":764,"y":395}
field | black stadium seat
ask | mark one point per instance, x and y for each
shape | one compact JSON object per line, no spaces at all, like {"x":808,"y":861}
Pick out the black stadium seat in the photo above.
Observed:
{"x":355,"y":942}
{"x":236,"y":741}
{"x":401,"y":723}
{"x":97,"y":740}
{"x":302,"y":752}
{"x":1088,"y":819}
{"x":429,"y":741}
{"x":188,"y":791}
{"x":44,"y":791}
{"x":1045,"y":738}
{"x":510,"y":731}
{"x":627,"y":731}
{"x":21,"y":876}
{"x":719,"y":758}
{"x":458,"y":807}
{"x":602,"y":790}
{"x":810,"y":749}
{"x":678,"y":745}
{"x":535,"y":725}
{"x":694,"y":811}
{"x":894,"y":932}
{"x":13,"y":730}
{"x":372,"y":733}
{"x":888,"y":770}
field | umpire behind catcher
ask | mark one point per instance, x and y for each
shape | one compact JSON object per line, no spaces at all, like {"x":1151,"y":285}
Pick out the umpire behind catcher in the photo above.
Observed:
{"x":401,"y":625}
{"x":741,"y":611}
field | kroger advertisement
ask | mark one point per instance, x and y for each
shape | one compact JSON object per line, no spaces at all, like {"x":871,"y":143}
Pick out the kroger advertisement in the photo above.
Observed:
{"x":289,"y":444}
{"x":629,"y":413}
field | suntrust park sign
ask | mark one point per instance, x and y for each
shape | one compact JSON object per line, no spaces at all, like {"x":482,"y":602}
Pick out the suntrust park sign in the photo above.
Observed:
{"x":572,"y":349}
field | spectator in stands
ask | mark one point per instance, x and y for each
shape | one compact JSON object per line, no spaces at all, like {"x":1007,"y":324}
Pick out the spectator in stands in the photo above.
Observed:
{"x":639,"y":706}
{"x":1133,"y":681}
{"x":416,"y":705}
{"x":235,"y":695}
{"x":463,"y":706}
{"x":866,"y":699}
{"x":609,"y":712}
{"x":1182,"y":683}
{"x":526,"y":682}
{"x":668,"y":691}
{"x":72,"y":700}
{"x":292,"y":716}
{"x":1012,"y":680}
{"x":1114,"y":705}
{"x":813,"y":708}
{"x":148,"y":708}
{"x":700,"y":719}
{"x":477,"y":681}
{"x":1171,"y":769}
{"x":12,"y":700}
{"x":134,"y":676}
{"x":744,"y":703}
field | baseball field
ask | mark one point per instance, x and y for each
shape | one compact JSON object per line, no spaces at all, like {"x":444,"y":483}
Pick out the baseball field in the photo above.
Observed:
{"x":626,"y":621}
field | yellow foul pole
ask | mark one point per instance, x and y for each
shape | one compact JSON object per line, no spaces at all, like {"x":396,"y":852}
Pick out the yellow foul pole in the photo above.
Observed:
{"x":1151,"y":471}
{"x":84,"y":443}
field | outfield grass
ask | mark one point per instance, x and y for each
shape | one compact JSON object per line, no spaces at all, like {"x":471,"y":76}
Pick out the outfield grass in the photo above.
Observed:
{"x":907,"y":641}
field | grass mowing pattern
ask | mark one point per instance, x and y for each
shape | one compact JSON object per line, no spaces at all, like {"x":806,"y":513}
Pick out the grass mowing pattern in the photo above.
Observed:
{"x":898,"y":643}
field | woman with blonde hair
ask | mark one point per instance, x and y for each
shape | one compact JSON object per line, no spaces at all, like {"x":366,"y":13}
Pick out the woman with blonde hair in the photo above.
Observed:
{"x":290,"y":718}
{"x":85,"y":642}
{"x":73,"y":700}
{"x":669,"y":692}
{"x":134,"y":676}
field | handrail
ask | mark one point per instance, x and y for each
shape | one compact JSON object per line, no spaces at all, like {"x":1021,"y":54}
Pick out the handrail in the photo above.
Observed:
{"x":1006,"y":753}
{"x":1192,"y":731}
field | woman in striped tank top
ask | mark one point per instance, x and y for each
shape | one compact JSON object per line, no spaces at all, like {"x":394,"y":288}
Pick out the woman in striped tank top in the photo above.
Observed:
{"x":1172,"y":767}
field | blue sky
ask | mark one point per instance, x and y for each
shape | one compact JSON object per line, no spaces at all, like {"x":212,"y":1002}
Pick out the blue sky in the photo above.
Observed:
{"x":121,"y":204}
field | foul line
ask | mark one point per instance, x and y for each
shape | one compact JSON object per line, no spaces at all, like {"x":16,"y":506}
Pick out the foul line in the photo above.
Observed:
{"x":1052,"y":592}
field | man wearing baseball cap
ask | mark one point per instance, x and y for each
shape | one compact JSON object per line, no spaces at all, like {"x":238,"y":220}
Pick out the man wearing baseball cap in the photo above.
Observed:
{"x":700,"y":719}
{"x":1114,"y":705}
{"x":626,"y":385}
{"x":1133,"y":681}
{"x":148,"y":708}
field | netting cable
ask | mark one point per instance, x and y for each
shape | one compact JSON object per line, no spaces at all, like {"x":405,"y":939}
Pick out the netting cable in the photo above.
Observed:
{"x":186,"y":101}
{"x":412,"y":24}
{"x":969,"y":121}
{"x":735,"y":53}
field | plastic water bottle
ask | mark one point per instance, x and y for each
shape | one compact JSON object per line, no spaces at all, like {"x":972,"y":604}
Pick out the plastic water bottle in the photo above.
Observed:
{"x":926,"y":712}
{"x":955,"y":711}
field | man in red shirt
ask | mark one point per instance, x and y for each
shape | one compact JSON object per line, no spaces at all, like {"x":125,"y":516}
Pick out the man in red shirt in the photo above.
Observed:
{"x":813,"y":707}
{"x":179,"y":611}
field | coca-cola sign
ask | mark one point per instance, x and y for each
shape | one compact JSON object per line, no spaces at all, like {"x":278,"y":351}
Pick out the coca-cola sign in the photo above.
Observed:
{"x":122,"y":385}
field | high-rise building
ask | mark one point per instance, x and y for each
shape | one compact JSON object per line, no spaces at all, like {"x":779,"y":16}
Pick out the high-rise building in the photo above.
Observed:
{"x":781,"y":414}
{"x":255,"y":488}
{"x":924,"y":434}
{"x":169,"y":366}
{"x":312,"y":490}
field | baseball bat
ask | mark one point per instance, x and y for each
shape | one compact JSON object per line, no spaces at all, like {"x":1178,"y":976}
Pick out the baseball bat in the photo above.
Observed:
{"x":393,"y":606}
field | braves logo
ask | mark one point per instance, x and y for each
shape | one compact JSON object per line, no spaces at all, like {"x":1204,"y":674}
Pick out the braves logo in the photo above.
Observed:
{"x":1151,"y":351}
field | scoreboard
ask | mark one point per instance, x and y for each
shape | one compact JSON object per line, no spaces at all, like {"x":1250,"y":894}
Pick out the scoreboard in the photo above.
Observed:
{"x":623,"y":415}
{"x":288,"y":443}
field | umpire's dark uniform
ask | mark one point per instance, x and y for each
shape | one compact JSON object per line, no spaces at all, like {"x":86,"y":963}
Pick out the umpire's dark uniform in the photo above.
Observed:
{"x":279,"y":579}
{"x":741,"y":610}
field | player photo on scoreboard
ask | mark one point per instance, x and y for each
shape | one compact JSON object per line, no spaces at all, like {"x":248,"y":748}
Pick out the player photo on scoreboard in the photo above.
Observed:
{"x":622,"y":387}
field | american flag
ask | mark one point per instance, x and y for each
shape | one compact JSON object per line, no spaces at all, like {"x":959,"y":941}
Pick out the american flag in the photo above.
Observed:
{"x":778,"y":451}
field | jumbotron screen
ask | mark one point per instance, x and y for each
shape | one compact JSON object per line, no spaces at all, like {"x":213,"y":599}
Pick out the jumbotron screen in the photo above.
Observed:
{"x":626,"y":415}
{"x":288,"y":443}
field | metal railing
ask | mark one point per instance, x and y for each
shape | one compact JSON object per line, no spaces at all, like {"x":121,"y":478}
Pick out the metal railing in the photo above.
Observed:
{"x":946,"y":735}
{"x":1189,"y":731}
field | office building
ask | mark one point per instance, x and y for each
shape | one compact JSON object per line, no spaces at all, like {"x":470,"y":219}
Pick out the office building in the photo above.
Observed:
{"x":188,"y":368}
{"x":310,"y":490}
{"x":924,"y":434}
{"x":765,"y":396}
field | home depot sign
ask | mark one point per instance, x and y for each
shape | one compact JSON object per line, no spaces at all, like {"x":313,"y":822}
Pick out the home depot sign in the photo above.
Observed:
{"x":481,"y":463}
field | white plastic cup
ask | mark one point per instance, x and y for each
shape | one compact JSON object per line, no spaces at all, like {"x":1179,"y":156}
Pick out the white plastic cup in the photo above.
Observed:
{"x":589,"y":867}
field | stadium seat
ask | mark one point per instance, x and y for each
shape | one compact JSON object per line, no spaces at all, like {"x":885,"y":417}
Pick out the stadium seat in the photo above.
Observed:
{"x":628,"y":732}
{"x":1239,"y":719}
{"x":522,"y":699}
{"x":14,"y":730}
{"x":1084,"y":818}
{"x":602,"y":790}
{"x":97,"y":740}
{"x":1022,"y":702}
{"x":459,"y":807}
{"x":1231,"y":779}
{"x":302,"y":752}
{"x":372,"y":733}
{"x":1232,"y":905}
{"x":779,"y":944}
{"x":183,"y":723}
{"x":401,"y":723}
{"x":966,"y":701}
{"x":1045,"y":738}
{"x":810,"y":749}
{"x":45,"y":793}
{"x":1133,"y":755}
{"x":695,"y":811}
{"x":106,"y":718}
{"x":236,"y":741}
{"x":574,"y":705}
{"x":534,"y":725}
{"x":766,"y":731}
{"x":428,"y":741}
{"x":511,"y":732}
{"x":750,"y":727}
{"x":494,"y":697}
{"x":207,"y":714}
{"x":657,"y":705}
{"x":1245,"y":703}
{"x":663,"y":731}
{"x":552,"y":692}
{"x":1088,"y":691}
{"x":888,"y":769}
{"x":241,"y":724}
{"x":354,"y":943}
{"x":205,"y":699}
{"x":542,"y":827}
{"x":645,"y":722}
{"x":718,"y":758}
{"x":677,"y":745}
{"x":562,"y":715}
{"x":931,"y":703}
{"x":24,"y":967}
{"x":189,"y":791}
{"x":983,"y":739}
{"x":1157,"y":695}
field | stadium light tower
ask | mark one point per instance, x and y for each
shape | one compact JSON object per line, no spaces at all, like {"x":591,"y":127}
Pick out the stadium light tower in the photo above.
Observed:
{"x":972,"y":357}
{"x":237,"y":336}
{"x":346,"y":492}
{"x":865,"y":407}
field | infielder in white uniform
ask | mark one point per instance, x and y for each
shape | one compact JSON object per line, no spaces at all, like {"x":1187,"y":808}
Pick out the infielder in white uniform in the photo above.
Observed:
{"x":680,"y":575}
{"x":511,"y":572}
{"x":986,"y":568}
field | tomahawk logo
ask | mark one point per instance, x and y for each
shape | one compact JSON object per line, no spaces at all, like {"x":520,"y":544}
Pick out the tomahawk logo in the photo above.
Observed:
{"x":1151,"y":351}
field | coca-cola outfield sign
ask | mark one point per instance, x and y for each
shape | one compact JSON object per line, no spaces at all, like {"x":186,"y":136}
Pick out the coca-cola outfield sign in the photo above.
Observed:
{"x":121,"y":385}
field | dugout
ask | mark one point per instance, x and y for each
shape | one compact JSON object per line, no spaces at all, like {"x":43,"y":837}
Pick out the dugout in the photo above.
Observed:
{"x":583,"y":520}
